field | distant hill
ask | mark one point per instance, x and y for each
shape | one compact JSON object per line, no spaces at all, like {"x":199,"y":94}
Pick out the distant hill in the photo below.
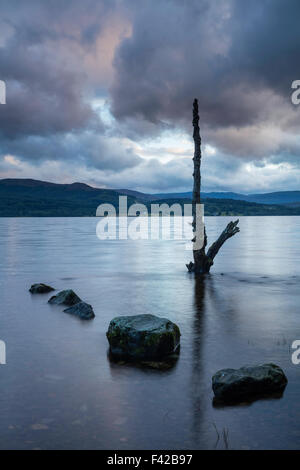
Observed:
{"x":281,"y":197}
{"x":221,"y":207}
{"x":33,"y":198}
{"x":138,"y":195}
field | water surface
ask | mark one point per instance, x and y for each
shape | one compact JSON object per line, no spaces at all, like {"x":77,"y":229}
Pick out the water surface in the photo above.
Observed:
{"x":60,"y":391}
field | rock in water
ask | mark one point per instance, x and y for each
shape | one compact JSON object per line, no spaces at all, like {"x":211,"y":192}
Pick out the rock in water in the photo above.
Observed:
{"x":142,"y":337}
{"x":65,"y":297}
{"x":82,"y":310}
{"x":233,"y":384}
{"x":40,"y":288}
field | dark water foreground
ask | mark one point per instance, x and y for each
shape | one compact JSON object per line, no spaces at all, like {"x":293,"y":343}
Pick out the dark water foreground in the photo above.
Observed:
{"x":59,"y":389}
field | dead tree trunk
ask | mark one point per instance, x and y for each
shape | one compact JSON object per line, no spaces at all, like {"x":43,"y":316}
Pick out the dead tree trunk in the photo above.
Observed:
{"x":202,"y":260}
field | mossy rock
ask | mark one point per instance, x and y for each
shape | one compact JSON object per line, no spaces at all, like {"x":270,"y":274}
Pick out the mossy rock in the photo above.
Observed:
{"x":143,"y":337}
{"x":81,"y":310}
{"x":40,"y":288}
{"x":65,"y":297}
{"x":246,"y":382}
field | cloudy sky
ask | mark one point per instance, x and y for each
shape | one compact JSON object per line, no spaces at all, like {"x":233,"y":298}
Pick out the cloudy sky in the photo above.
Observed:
{"x":101,"y":91}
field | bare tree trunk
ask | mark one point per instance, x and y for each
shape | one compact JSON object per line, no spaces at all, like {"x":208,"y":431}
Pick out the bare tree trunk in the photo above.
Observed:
{"x":202,"y":260}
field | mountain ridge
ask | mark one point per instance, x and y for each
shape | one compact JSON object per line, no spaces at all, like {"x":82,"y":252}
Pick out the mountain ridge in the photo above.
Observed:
{"x":275,"y":197}
{"x":34,"y":198}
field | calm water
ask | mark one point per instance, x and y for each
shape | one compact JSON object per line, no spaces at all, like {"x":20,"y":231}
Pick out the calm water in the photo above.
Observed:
{"x":58,"y":388}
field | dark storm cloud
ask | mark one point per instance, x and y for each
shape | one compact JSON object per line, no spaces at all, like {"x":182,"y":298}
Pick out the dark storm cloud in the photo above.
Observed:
{"x":48,"y":116}
{"x":46,"y":83}
{"x":148,"y":59}
{"x":87,"y":148}
{"x":220,"y":51}
{"x":226,"y":53}
{"x":267,"y":41}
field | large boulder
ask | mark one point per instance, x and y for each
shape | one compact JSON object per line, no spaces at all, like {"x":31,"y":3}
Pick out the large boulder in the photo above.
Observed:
{"x":40,"y":288}
{"x":82,"y":310}
{"x":248,"y":381}
{"x":65,"y":297}
{"x":142,"y":337}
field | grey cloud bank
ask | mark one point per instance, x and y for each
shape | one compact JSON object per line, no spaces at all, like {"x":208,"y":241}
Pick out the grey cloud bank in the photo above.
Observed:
{"x":91,"y":87}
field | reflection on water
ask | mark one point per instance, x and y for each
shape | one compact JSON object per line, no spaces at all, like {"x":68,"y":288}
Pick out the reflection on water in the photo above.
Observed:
{"x":60,"y":390}
{"x":200,"y":283}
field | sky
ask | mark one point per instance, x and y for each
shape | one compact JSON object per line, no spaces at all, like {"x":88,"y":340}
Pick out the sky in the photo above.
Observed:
{"x":101,"y":92}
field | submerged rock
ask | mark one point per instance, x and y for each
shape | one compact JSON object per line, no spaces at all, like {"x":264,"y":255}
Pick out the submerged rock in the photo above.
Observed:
{"x":142,"y":337}
{"x":82,"y":310}
{"x":259,"y":380}
{"x":65,"y":297}
{"x":40,"y":288}
{"x":164,"y":364}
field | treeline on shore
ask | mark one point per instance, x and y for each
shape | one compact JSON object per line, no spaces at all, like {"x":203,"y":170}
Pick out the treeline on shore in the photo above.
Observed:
{"x":30,"y":198}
